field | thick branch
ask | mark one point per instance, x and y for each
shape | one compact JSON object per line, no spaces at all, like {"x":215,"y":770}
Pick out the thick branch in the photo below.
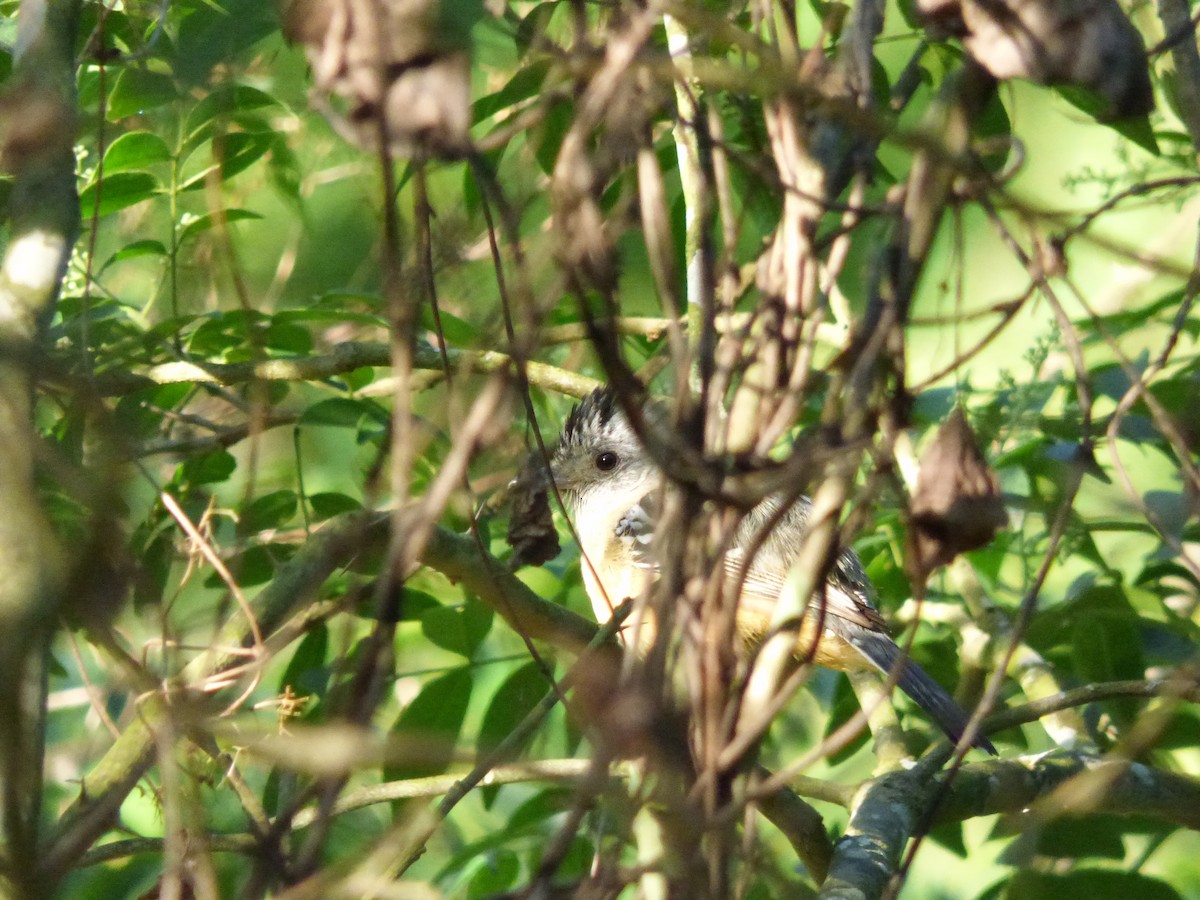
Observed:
{"x":885,"y":811}
{"x":36,"y":148}
{"x":1007,"y":786}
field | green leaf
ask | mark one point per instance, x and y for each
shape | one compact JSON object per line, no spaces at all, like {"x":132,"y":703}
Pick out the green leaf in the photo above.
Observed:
{"x":458,"y":629}
{"x":993,"y":131}
{"x":116,"y":192}
{"x":209,"y":220}
{"x":242,"y":149}
{"x":514,"y":699}
{"x":457,"y":332}
{"x":216,"y":32}
{"x":548,"y":136}
{"x":137,"y":90}
{"x":135,"y":150}
{"x":136,"y":250}
{"x":208,"y":469}
{"x":232,"y":153}
{"x":268,"y":511}
{"x":497,"y":872}
{"x":288,"y":338}
{"x":306,"y":672}
{"x":1136,"y":128}
{"x":337,"y":307}
{"x":154,"y":569}
{"x":223,"y":104}
{"x":340,"y":412}
{"x":526,"y":83}
{"x":285,"y":172}
{"x":1092,"y":884}
{"x":326,"y":505}
{"x":357,"y":379}
{"x":251,"y":567}
{"x":414,"y":604}
{"x":519,"y":693}
{"x":542,"y":806}
{"x":433,"y":721}
{"x":845,"y":705}
{"x":1094,"y":836}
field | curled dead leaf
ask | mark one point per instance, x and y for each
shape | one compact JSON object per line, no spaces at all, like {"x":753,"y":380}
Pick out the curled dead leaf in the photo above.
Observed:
{"x":1085,"y":43}
{"x":387,"y":70}
{"x":531,"y":531}
{"x":956,"y":506}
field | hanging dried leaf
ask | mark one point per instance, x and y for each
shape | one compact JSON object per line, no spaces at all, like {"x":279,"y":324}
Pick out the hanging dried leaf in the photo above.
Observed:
{"x":1086,"y":43}
{"x":956,"y":505}
{"x":531,"y":531}
{"x":392,"y":69}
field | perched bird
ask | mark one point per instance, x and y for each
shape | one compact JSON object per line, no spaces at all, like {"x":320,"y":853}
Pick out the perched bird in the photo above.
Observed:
{"x":609,"y":483}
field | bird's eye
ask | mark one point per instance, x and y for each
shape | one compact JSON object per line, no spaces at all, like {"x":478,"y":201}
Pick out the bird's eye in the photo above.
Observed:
{"x":607,"y":461}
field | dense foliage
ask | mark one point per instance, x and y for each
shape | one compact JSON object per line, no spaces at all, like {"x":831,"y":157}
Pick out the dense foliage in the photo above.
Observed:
{"x":287,"y":380}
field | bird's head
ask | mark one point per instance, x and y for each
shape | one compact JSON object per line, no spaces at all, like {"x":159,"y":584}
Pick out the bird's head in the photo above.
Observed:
{"x":598,"y":450}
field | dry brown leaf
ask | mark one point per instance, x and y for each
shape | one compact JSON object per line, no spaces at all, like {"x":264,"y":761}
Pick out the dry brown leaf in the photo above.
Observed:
{"x":1086,"y":43}
{"x":956,"y":506}
{"x":386,"y":68}
{"x":531,"y":531}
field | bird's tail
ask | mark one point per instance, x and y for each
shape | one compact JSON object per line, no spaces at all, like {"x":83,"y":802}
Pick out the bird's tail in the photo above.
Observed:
{"x":884,"y":654}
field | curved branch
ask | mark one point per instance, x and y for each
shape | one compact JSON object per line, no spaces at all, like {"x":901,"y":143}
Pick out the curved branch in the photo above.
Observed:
{"x":343,"y":358}
{"x":1091,"y":693}
{"x":1131,"y":789}
{"x":885,"y":810}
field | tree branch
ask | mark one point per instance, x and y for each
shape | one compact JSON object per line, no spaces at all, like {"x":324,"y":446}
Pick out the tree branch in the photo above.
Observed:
{"x":295,"y":585}
{"x":342,"y":359}
{"x":39,"y":120}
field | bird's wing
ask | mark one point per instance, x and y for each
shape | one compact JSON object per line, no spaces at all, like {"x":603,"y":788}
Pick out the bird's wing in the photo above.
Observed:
{"x":770,"y":537}
{"x":757,"y":566}
{"x":847,"y":593}
{"x":635,"y":531}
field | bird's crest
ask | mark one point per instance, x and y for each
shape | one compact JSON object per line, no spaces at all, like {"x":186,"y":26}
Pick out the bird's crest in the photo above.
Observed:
{"x":591,"y":416}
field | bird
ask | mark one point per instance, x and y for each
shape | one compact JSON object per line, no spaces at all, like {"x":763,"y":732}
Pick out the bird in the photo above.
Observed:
{"x":610,"y":486}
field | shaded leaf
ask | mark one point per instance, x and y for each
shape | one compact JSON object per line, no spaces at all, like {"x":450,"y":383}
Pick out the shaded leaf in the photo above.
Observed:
{"x":136,"y":250}
{"x":209,"y":220}
{"x":137,"y":90}
{"x":326,"y":505}
{"x":434,"y":719}
{"x":458,"y":629}
{"x":268,"y":511}
{"x":1094,"y":884}
{"x":208,"y":469}
{"x":496,"y":873}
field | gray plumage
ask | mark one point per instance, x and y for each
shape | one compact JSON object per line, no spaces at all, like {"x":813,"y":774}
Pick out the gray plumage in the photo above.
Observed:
{"x":611,"y":486}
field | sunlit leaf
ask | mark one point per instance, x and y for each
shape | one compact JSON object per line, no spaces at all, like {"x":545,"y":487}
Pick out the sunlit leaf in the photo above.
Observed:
{"x":116,"y":192}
